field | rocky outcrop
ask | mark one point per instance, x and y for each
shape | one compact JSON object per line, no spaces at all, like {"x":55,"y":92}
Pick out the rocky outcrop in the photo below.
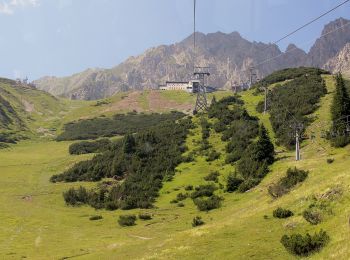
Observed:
{"x":341,"y":62}
{"x":335,"y":36}
{"x":228,"y":55}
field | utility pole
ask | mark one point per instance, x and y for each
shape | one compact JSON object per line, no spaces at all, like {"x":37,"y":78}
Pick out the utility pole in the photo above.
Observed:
{"x":297,"y":128}
{"x":194,"y":35}
{"x":265,"y":102}
{"x":228,"y":68}
{"x":252,"y":76}
{"x":235,"y":87}
{"x":297,"y":146}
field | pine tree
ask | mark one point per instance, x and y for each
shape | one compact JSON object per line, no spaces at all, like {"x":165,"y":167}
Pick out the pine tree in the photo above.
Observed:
{"x":341,"y":101}
{"x":256,"y":158}
{"x":339,"y":110}
{"x":264,"y":148}
{"x":129,"y":144}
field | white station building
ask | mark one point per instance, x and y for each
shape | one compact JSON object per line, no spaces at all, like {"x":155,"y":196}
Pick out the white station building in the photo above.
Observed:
{"x":188,"y":86}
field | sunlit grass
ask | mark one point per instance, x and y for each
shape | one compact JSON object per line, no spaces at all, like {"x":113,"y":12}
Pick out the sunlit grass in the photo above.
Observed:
{"x":38,"y":225}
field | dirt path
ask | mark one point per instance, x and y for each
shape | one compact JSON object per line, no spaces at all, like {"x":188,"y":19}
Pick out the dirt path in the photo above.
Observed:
{"x":157,"y":102}
{"x":128,"y":103}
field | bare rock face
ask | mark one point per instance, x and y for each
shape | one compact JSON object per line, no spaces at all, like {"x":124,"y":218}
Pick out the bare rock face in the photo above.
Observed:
{"x":341,"y":62}
{"x":336,"y":35}
{"x":229,"y":57}
{"x":294,"y":56}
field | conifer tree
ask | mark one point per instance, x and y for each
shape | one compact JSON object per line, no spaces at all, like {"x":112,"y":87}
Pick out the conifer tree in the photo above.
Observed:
{"x":129,"y":144}
{"x":341,"y":101}
{"x":264,"y":148}
{"x":256,"y":158}
{"x":339,"y":110}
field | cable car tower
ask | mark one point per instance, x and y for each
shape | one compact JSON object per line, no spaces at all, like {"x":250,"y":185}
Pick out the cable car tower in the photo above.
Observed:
{"x":200,"y":74}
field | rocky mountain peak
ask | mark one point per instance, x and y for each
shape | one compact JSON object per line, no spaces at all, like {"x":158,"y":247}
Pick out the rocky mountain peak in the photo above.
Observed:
{"x":333,"y":38}
{"x":341,"y":62}
{"x":228,"y":55}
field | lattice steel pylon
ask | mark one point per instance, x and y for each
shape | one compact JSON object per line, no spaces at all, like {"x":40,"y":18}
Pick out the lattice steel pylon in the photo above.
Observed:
{"x":199,"y":86}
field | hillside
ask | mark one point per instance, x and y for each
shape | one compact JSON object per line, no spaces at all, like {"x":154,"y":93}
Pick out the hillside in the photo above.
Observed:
{"x":229,"y":56}
{"x":25,"y":111}
{"x":38,"y":224}
{"x":28,"y":112}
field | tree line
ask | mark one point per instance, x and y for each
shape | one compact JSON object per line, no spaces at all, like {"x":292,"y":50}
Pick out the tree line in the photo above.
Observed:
{"x":248,"y":143}
{"x":119,"y":124}
{"x":291,"y":104}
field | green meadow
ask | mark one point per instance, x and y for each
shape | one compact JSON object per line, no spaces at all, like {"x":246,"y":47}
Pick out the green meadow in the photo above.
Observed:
{"x":36,"y":223}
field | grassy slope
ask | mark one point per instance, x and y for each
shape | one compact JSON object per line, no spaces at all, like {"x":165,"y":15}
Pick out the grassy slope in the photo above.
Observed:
{"x":36,"y":108}
{"x":42,"y":227}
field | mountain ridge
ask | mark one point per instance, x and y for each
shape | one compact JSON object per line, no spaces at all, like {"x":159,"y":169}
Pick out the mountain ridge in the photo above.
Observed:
{"x":229,"y":55}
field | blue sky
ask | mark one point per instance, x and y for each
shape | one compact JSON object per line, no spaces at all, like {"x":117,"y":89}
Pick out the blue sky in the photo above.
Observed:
{"x":62,"y":37}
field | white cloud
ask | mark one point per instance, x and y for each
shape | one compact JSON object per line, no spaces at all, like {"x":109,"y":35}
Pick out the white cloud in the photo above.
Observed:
{"x":10,"y":6}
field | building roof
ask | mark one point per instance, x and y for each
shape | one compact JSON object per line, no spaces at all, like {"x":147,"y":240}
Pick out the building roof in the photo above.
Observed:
{"x":182,"y":82}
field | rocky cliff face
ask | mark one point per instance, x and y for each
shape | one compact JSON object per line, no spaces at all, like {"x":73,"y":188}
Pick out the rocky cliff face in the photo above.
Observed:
{"x":228,"y":55}
{"x":336,"y":35}
{"x":341,"y":62}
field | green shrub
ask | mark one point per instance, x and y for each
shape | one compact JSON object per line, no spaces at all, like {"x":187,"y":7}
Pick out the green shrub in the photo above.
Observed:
{"x":197,"y":221}
{"x":213,"y":155}
{"x":212,"y":176}
{"x":96,"y":217}
{"x":305,"y":245}
{"x":253,"y":165}
{"x":76,"y":197}
{"x":340,"y":141}
{"x":4,"y":146}
{"x":85,"y":147}
{"x":205,"y":128}
{"x":189,"y":187}
{"x":233,"y":183}
{"x":119,"y":124}
{"x":188,"y":158}
{"x":305,"y":91}
{"x":145,"y":216}
{"x":180,"y":204}
{"x":111,"y":205}
{"x":285,"y":184}
{"x":289,"y":73}
{"x":294,"y":176}
{"x":206,"y":204}
{"x":203,"y":190}
{"x":233,"y":157}
{"x":143,"y":160}
{"x":313,"y":215}
{"x":248,"y":184}
{"x":205,"y":145}
{"x":127,"y":220}
{"x":219,"y":127}
{"x":181,"y":196}
{"x":282,"y":213}
{"x":330,"y":160}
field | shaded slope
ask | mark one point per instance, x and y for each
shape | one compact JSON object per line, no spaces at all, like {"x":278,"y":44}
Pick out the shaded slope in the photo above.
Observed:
{"x":23,"y":109}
